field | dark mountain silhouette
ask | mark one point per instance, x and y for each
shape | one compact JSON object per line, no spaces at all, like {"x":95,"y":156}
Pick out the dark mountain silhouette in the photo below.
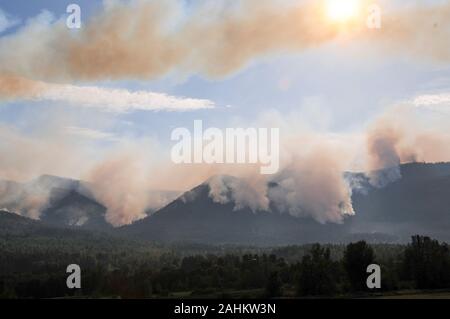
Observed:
{"x":195,"y":217}
{"x":19,"y":231}
{"x":62,"y":202}
{"x":57,"y":201}
{"x":418,"y":202}
{"x":13,"y":225}
{"x":70,"y":208}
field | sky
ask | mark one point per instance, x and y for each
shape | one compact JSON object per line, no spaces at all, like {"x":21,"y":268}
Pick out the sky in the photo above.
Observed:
{"x":230,"y":64}
{"x":337,"y":87}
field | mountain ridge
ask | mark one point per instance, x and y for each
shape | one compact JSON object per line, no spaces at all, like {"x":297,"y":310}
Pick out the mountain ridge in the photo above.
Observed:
{"x":417,"y":202}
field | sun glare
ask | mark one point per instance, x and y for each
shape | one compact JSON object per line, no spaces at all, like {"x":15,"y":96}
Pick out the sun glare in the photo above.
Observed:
{"x":342,"y":10}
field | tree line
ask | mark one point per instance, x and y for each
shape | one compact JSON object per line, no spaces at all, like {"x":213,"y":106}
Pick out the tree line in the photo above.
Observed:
{"x":135,"y":270}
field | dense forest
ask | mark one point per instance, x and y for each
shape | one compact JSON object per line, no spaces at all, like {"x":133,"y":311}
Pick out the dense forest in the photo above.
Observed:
{"x":117,"y":268}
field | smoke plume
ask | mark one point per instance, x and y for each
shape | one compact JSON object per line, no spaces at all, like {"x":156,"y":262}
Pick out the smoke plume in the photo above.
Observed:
{"x":27,"y":201}
{"x":134,"y":40}
{"x":12,"y":86}
{"x":421,"y":31}
{"x":400,"y":136}
{"x":314,"y":187}
{"x":246,"y":191}
{"x":310,"y":182}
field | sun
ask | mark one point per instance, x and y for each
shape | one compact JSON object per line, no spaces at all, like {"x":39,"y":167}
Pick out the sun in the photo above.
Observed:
{"x":342,"y":10}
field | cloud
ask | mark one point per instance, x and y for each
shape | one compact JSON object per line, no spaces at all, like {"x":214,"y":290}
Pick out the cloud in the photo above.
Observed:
{"x":7,"y":21}
{"x":433,"y":102}
{"x":120,"y":100}
{"x":432,"y":99}
{"x":90,"y":133}
{"x":110,"y":100}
